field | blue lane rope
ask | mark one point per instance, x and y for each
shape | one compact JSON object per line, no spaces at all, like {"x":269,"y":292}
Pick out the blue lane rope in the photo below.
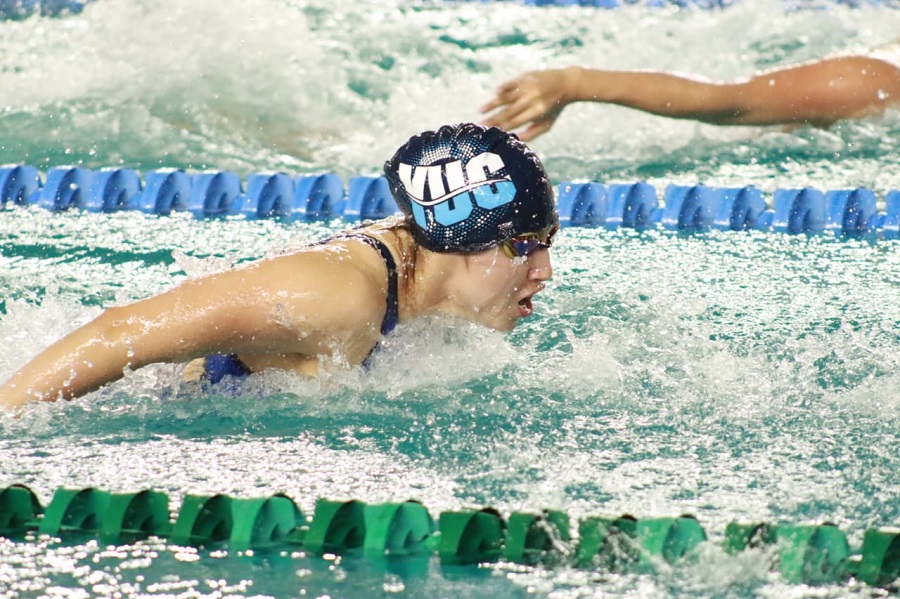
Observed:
{"x":323,"y":197}
{"x":814,"y":553}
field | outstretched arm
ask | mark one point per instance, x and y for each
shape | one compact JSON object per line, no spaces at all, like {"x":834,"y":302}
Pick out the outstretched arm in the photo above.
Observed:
{"x":162,"y":328}
{"x":265,"y":308}
{"x":818,"y":93}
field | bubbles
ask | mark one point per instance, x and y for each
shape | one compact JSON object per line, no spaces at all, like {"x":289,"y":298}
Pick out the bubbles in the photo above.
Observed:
{"x":439,"y":353}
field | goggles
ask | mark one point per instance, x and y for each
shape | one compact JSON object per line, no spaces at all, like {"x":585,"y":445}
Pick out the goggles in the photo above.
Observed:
{"x":526,"y":244}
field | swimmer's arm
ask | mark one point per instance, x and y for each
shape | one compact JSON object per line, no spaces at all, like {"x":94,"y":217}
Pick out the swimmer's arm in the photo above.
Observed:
{"x":535,"y":99}
{"x":82,"y":361}
{"x":266,"y":308}
{"x":817,"y":93}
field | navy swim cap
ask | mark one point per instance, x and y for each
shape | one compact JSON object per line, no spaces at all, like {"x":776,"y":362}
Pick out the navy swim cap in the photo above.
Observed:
{"x":466,"y":188}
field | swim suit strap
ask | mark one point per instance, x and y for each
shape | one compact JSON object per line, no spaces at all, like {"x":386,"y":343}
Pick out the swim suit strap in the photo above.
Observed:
{"x":392,"y":314}
{"x":218,"y":366}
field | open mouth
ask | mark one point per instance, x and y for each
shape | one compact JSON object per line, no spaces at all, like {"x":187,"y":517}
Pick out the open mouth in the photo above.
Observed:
{"x":526,"y":308}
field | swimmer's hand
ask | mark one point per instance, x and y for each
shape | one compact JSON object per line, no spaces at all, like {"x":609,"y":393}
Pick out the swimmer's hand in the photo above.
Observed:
{"x":535,"y":99}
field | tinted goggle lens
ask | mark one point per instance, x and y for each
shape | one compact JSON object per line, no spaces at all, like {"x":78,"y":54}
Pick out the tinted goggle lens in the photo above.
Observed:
{"x":526,"y":244}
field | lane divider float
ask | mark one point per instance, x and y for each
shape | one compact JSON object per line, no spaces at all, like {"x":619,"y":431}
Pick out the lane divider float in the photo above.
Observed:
{"x":814,"y":553}
{"x":323,"y":197}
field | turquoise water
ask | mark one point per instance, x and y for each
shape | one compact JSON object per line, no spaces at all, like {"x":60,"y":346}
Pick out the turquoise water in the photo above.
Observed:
{"x":733,"y":376}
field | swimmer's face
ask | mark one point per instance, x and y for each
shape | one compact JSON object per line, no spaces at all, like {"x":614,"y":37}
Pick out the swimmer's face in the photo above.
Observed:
{"x":501,"y":288}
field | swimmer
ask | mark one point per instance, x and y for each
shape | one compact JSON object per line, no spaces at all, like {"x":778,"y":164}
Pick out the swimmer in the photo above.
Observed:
{"x":817,"y":93}
{"x":478,"y":220}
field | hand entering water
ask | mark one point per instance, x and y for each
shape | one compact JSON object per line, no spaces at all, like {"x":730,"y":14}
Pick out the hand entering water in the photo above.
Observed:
{"x":818,"y":93}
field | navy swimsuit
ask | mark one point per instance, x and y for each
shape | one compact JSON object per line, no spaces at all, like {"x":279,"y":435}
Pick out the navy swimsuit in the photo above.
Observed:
{"x":218,"y":366}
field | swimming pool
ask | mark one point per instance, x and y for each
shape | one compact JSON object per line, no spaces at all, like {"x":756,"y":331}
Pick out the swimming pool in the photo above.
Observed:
{"x":735,"y":376}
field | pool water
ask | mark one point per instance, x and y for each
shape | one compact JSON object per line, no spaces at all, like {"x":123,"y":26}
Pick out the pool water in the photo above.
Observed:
{"x":735,"y":376}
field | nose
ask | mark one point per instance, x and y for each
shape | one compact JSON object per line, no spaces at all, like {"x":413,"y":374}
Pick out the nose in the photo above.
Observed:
{"x":541,"y":269}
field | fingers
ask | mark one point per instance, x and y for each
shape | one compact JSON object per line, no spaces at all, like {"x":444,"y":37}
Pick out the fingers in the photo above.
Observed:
{"x":530,"y":133}
{"x":517,"y":103}
{"x":536,"y":128}
{"x":520,"y":113}
{"x":508,"y":118}
{"x":496,"y":102}
{"x":509,"y":87}
{"x":505,"y":107}
{"x":516,"y":107}
{"x":505,"y":94}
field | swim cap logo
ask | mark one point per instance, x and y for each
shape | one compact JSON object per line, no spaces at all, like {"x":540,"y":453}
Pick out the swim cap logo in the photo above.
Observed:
{"x":454,"y":188}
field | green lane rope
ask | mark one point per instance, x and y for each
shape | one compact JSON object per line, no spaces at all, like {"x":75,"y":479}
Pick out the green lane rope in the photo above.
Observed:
{"x":803,"y":553}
